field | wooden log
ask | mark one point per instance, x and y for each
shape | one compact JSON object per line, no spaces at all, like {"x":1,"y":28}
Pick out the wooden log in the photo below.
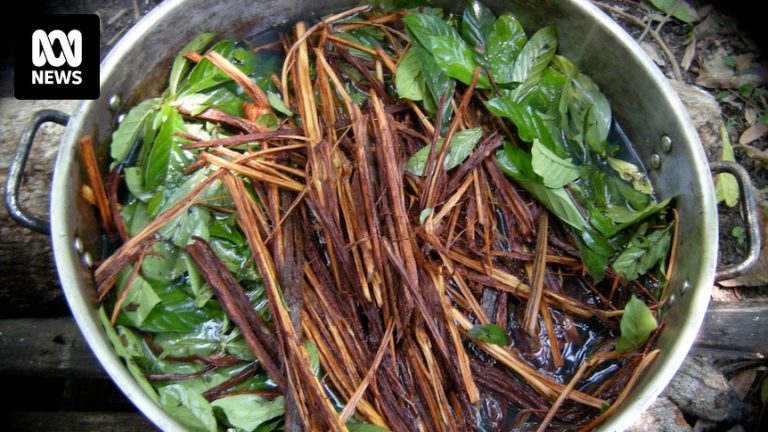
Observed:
{"x":68,"y":421}
{"x":28,"y":282}
{"x":46,"y":347}
{"x":736,"y":326}
{"x":662,"y":416}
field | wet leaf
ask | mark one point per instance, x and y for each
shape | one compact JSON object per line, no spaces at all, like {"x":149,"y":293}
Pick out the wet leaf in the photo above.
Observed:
{"x":129,"y":129}
{"x":490,"y":333}
{"x":181,"y":64}
{"x":535,"y":57}
{"x":424,"y":215}
{"x":188,"y":407}
{"x":437,"y":84}
{"x":276,"y":101}
{"x":595,"y":262}
{"x":679,"y":9}
{"x":124,"y":353}
{"x":643,"y":252}
{"x":631,"y":173}
{"x":140,"y":300}
{"x":585,"y":114}
{"x":624,"y":217}
{"x":159,"y":157}
{"x":409,"y":81}
{"x":248,"y":411}
{"x":727,"y":189}
{"x":462,"y":144}
{"x":516,"y":163}
{"x":476,"y":24}
{"x":452,"y":53}
{"x":505,"y":41}
{"x":637,"y":324}
{"x":134,"y":180}
{"x":553,"y":169}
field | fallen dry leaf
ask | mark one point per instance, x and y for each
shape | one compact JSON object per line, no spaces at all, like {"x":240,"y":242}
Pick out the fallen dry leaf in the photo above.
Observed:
{"x":742,"y":382}
{"x":743,"y":61}
{"x":707,"y":28}
{"x":754,"y":132}
{"x":653,"y":53}
{"x":688,"y":55}
{"x":728,"y":80}
{"x":754,"y":153}
{"x":750,"y":115}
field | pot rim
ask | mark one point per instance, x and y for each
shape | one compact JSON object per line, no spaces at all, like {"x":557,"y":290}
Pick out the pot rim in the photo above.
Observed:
{"x":72,"y":274}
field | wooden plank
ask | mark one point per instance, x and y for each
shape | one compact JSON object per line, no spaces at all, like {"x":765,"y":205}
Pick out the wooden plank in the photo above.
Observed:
{"x":69,"y":421}
{"x":46,"y":347}
{"x":54,"y":346}
{"x":736,"y":326}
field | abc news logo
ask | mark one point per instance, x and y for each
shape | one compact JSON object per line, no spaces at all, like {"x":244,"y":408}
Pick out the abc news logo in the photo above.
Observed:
{"x":57,"y":57}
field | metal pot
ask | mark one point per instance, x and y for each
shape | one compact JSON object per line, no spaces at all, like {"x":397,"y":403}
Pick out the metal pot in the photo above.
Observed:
{"x":642,"y":99}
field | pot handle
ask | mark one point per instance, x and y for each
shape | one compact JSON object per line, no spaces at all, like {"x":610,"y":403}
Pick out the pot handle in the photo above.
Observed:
{"x":16,"y":170}
{"x":751,"y":215}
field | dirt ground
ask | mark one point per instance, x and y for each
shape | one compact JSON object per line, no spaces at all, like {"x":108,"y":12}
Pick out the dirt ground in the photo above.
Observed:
{"x":720,"y":51}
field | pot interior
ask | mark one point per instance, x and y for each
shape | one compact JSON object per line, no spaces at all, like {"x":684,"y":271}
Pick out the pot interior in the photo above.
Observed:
{"x":641,"y":99}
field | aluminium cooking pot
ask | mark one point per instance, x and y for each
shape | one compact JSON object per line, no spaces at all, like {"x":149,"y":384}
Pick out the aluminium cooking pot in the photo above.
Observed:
{"x":641,"y":98}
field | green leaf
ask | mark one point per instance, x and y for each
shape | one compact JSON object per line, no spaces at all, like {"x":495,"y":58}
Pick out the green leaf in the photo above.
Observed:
{"x":452,"y":53}
{"x":134,"y":180}
{"x":624,"y":217}
{"x":585,"y":114}
{"x":631,"y":173}
{"x":424,"y":215}
{"x":535,"y":57}
{"x":595,"y":262}
{"x":490,"y":333}
{"x":516,"y":163}
{"x":177,"y":312}
{"x":637,"y":324}
{"x":314,"y":357}
{"x":409,"y":81}
{"x":277,"y":103}
{"x":160,"y":155}
{"x":740,"y":234}
{"x":554,"y":170}
{"x":160,"y":264}
{"x":197,"y":285}
{"x":189,"y":408}
{"x":268,"y":121}
{"x":643,"y":252}
{"x":727,"y":189}
{"x":247,"y":411}
{"x":181,"y":64}
{"x":365,"y":427}
{"x":121,"y":351}
{"x":476,"y":24}
{"x":462,"y":144}
{"x":140,"y":300}
{"x":129,"y":129}
{"x":680,"y":9}
{"x":438,"y":85}
{"x":505,"y":42}
{"x":205,"y":75}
